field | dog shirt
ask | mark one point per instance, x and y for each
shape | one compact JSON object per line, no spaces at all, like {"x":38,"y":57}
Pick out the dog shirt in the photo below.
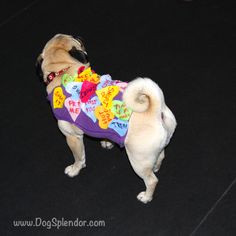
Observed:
{"x":93,"y":103}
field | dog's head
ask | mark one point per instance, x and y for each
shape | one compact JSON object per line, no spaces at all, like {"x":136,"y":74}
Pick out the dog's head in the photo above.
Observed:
{"x":60,"y":52}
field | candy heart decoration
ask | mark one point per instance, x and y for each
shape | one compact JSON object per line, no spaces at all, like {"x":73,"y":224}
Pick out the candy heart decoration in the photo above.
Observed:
{"x":104,"y":117}
{"x":95,"y":78}
{"x":86,"y":74}
{"x":105,"y":80}
{"x":58,"y":98}
{"x":81,"y":69}
{"x":74,"y":89}
{"x":89,"y":107}
{"x":106,"y":95}
{"x":65,"y":79}
{"x":78,"y":80}
{"x":119,"y":126}
{"x":73,"y":107}
{"x":122,"y":86}
{"x":87,"y":90}
{"x":120,"y":110}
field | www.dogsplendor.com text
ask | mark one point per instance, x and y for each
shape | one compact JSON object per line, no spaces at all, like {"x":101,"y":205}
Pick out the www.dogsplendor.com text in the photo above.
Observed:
{"x":58,"y":223}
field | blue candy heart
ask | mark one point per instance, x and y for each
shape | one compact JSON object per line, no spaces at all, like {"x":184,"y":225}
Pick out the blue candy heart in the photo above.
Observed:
{"x":74,"y":89}
{"x":120,"y":126}
{"x":105,"y":80}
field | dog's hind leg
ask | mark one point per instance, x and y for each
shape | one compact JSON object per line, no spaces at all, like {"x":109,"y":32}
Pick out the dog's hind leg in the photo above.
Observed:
{"x":77,"y":147}
{"x":143,"y":167}
{"x":150,"y":181}
{"x":169,"y":122}
{"x":160,"y":158}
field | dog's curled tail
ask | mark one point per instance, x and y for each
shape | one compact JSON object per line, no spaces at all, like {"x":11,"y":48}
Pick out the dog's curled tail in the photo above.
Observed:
{"x":144,"y":95}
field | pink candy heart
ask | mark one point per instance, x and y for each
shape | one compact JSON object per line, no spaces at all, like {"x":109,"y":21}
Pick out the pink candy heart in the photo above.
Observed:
{"x":87,"y":90}
{"x":122,"y":86}
{"x":73,"y":107}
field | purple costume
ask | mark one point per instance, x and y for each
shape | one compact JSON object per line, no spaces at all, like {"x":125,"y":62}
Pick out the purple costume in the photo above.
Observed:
{"x":96,"y":108}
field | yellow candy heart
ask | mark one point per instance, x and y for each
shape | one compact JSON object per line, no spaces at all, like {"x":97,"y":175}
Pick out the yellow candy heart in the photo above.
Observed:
{"x":104,"y":116}
{"x":85,"y":75}
{"x":79,"y":79}
{"x":58,"y":98}
{"x":88,"y":75}
{"x":95,"y":78}
{"x":107,"y":94}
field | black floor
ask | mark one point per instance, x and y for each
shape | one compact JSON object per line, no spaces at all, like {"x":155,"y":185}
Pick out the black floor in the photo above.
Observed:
{"x":189,"y":48}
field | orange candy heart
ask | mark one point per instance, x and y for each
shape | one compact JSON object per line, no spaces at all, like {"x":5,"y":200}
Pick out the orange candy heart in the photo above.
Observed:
{"x":104,"y":116}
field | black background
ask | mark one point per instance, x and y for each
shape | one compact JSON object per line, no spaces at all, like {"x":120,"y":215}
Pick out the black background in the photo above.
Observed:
{"x":188,"y":48}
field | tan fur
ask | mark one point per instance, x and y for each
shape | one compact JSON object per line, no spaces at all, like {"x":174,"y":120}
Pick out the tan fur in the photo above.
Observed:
{"x":55,"y":57}
{"x":151,"y":125}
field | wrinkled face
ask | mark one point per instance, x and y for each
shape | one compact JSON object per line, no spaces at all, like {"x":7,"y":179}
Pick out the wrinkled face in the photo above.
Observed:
{"x":60,"y":52}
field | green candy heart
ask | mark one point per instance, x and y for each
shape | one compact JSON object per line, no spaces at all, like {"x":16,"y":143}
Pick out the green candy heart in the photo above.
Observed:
{"x":66,"y":78}
{"x":120,"y":110}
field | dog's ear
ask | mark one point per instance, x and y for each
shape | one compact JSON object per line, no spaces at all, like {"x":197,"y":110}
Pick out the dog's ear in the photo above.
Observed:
{"x":81,"y":41}
{"x":79,"y":55}
{"x":38,"y":65}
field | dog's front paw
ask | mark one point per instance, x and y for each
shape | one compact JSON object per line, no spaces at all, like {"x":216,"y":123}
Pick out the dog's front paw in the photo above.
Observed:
{"x":144,"y":198}
{"x":73,"y":170}
{"x":107,"y":144}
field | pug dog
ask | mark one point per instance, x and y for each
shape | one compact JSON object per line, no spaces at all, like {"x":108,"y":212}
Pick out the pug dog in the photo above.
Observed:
{"x":134,"y":115}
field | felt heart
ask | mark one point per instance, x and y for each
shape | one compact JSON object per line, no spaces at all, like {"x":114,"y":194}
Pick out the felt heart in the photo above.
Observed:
{"x":122,"y":86}
{"x":104,"y":116}
{"x":106,"y":95}
{"x":87,"y":90}
{"x":58,"y":98}
{"x":86,"y":74}
{"x":78,"y":80}
{"x":105,"y":80}
{"x":90,"y":106}
{"x":120,"y":110}
{"x":74,"y":89}
{"x":119,"y":126}
{"x":81,"y":69}
{"x":95,"y":78}
{"x":65,"y":79}
{"x":73,"y":107}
